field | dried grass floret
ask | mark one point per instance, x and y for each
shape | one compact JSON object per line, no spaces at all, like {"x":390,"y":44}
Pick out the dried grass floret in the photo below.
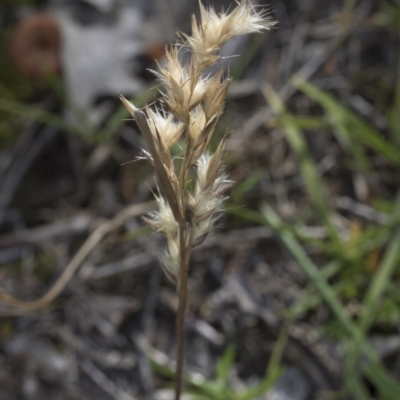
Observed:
{"x":184,"y":90}
{"x":197,"y":123}
{"x":208,"y":195}
{"x":163,"y":220}
{"x":163,"y":124}
{"x":215,"y":29}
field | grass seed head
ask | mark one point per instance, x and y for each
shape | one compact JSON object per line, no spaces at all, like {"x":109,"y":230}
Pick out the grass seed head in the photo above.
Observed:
{"x":215,"y":29}
{"x":193,"y":103}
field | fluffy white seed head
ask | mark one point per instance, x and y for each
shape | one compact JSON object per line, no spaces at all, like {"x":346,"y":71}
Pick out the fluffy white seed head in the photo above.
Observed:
{"x":184,"y":91}
{"x":163,"y":218}
{"x":216,"y":29}
{"x":207,"y":198}
{"x":168,"y":129}
{"x":202,"y":167}
{"x":197,"y":123}
{"x":171,"y":257}
{"x":194,"y":102}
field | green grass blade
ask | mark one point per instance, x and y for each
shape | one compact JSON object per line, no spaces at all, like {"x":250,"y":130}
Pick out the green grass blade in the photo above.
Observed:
{"x":388,"y":387}
{"x":244,"y":187}
{"x":394,"y":113}
{"x":37,"y":114}
{"x":348,"y":123}
{"x":382,"y":278}
{"x":337,"y":308}
{"x":381,"y":281}
{"x":308,"y":168}
{"x":266,"y":384}
{"x":311,"y":297}
{"x":224,"y":365}
{"x":310,"y":269}
{"x":279,"y":347}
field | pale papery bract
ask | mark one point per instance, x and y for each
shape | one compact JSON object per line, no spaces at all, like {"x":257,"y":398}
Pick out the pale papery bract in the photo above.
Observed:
{"x":183,"y":91}
{"x":168,"y":129}
{"x":197,"y":123}
{"x":162,"y":219}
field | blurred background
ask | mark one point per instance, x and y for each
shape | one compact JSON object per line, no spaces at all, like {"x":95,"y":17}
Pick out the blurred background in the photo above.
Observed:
{"x":294,"y":297}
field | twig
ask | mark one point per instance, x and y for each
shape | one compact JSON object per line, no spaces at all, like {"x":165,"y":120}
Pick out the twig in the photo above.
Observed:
{"x":361,"y":210}
{"x":78,"y":224}
{"x":136,"y":262}
{"x":105,"y":383}
{"x":20,"y":307}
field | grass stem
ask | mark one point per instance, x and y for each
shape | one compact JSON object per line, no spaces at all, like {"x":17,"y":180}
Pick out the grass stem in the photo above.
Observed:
{"x":180,"y":320}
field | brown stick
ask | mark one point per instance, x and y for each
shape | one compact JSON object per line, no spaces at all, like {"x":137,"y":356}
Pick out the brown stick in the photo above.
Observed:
{"x":21,"y":307}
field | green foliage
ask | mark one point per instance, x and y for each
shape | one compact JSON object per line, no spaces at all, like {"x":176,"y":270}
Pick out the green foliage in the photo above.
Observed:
{"x":350,"y":275}
{"x":349,"y":128}
{"x":44,"y":267}
{"x":308,"y":168}
{"x":220,"y":388}
{"x":389,"y":16}
{"x":244,"y":187}
{"x":394,"y":114}
{"x":354,"y":331}
{"x":83,"y":129}
{"x":388,"y":312}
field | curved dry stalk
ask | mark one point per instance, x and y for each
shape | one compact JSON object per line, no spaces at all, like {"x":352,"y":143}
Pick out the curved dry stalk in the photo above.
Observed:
{"x":20,"y":307}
